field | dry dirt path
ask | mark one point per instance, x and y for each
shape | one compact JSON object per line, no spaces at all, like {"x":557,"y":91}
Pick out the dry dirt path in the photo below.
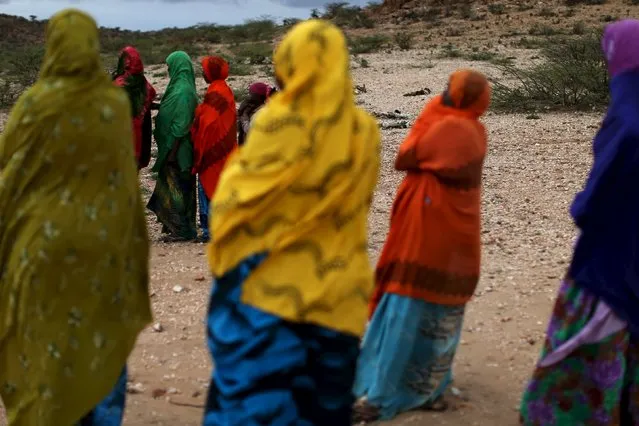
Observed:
{"x":533,"y":169}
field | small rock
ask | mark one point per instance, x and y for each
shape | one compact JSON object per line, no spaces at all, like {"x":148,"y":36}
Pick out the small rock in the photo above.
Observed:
{"x":157,"y":327}
{"x":178,"y":289}
{"x":200,"y":279}
{"x":531,"y":341}
{"x":172,"y":391}
{"x":196,"y":394}
{"x":135,"y":388}
{"x":158,"y":393}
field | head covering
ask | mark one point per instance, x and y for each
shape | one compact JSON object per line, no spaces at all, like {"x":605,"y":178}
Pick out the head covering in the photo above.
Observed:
{"x":130,"y":75}
{"x":605,"y":257}
{"x":433,"y":248}
{"x":73,"y":242}
{"x":258,"y":94}
{"x":215,"y":68}
{"x":300,"y":190}
{"x":177,"y":109}
{"x":260,"y":89}
{"x":621,"y":47}
{"x":214,"y":131}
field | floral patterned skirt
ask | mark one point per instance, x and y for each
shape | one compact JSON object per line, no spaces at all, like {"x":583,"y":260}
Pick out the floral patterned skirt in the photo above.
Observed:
{"x":594,"y":385}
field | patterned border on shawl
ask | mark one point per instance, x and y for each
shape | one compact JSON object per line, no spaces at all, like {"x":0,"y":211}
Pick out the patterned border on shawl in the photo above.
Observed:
{"x":433,"y":284}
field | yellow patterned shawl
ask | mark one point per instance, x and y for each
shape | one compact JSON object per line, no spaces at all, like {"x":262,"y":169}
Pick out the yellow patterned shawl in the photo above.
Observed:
{"x":300,"y":189}
{"x":73,"y":242}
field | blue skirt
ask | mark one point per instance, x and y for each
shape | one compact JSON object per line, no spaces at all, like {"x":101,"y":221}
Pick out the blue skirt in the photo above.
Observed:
{"x":269,"y":371}
{"x":407,"y":354}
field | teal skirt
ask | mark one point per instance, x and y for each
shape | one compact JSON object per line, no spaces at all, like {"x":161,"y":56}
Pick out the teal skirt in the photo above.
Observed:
{"x":407,"y":354}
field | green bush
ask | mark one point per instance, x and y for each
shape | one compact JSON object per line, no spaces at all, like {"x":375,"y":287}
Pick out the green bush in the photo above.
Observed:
{"x":368,"y":44}
{"x":253,"y":53}
{"x":403,"y":40}
{"x":345,"y":15}
{"x":496,"y":8}
{"x":572,"y":75}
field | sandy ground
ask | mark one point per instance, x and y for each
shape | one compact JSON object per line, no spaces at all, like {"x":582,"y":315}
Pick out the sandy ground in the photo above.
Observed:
{"x":533,"y":170}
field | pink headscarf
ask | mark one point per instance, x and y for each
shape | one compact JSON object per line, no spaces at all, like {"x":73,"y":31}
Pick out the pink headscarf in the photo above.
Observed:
{"x":260,"y":89}
{"x":620,"y":44}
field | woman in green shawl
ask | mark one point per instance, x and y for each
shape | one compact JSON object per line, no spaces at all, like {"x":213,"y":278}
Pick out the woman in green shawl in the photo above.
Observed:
{"x":174,"y":197}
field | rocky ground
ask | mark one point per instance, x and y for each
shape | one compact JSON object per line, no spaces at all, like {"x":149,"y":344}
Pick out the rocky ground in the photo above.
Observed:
{"x":533,"y":170}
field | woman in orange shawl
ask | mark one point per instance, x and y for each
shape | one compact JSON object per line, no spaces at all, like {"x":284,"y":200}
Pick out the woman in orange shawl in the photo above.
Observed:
{"x":214,"y":133}
{"x":429,"y":266}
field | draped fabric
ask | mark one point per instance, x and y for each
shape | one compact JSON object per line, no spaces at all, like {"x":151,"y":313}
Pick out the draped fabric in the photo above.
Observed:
{"x":214,"y":131}
{"x":130,"y":76}
{"x":300,"y":189}
{"x":605,"y":258}
{"x":73,"y":241}
{"x":432,"y":251}
{"x":175,"y":118}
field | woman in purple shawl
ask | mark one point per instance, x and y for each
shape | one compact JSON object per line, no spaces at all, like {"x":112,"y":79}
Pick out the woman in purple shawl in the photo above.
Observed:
{"x":588,"y":372}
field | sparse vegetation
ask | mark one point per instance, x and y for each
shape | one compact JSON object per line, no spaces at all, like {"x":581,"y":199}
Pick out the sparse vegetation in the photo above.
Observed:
{"x":571,"y":75}
{"x":403,"y":40}
{"x":368,"y":44}
{"x":496,"y":8}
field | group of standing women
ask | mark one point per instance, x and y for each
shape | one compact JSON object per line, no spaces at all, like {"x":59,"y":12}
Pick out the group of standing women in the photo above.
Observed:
{"x":192,"y":140}
{"x":293,"y":288}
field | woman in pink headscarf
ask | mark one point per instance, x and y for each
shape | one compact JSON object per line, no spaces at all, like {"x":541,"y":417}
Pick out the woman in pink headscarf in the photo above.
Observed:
{"x":130,"y":76}
{"x":257,"y":97}
{"x":588,"y":372}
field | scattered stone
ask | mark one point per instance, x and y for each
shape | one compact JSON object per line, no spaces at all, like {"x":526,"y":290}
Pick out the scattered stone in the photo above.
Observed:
{"x":360,"y":89}
{"x":397,"y":125}
{"x":172,"y":391}
{"x":421,"y":92}
{"x":200,"y":279}
{"x":135,"y":388}
{"x":157,"y":327}
{"x":178,"y":289}
{"x":158,"y":393}
{"x":196,"y":394}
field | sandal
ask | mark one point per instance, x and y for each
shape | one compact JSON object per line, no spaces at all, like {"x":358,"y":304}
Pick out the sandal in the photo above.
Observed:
{"x":439,"y":405}
{"x":363,"y":412}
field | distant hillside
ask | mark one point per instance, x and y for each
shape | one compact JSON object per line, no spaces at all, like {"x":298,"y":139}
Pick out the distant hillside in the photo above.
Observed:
{"x":480,"y":30}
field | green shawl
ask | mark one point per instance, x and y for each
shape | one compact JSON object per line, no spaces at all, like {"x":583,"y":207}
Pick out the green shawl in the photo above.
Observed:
{"x":177,"y":109}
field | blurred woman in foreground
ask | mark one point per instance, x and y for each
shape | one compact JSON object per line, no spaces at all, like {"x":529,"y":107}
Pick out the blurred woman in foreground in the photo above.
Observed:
{"x":429,"y":267}
{"x":289,"y":246}
{"x":130,"y":76}
{"x":73,"y":242}
{"x":588,"y":371}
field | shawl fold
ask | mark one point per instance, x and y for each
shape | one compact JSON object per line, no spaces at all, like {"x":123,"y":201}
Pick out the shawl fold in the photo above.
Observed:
{"x":607,"y":210}
{"x":300,"y":190}
{"x":177,"y":109}
{"x":130,"y":76}
{"x":73,"y":242}
{"x":433,"y":248}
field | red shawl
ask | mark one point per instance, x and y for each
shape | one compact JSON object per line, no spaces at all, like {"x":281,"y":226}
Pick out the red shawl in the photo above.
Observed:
{"x":214,"y":129}
{"x":130,"y":76}
{"x":432,"y":251}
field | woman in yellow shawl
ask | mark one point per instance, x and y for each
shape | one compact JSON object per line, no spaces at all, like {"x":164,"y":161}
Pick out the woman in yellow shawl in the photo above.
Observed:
{"x":73,"y":242}
{"x":289,"y":246}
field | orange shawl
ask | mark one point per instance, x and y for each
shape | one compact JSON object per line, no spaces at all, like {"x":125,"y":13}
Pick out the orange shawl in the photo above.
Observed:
{"x":433,"y":248}
{"x":214,"y":129}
